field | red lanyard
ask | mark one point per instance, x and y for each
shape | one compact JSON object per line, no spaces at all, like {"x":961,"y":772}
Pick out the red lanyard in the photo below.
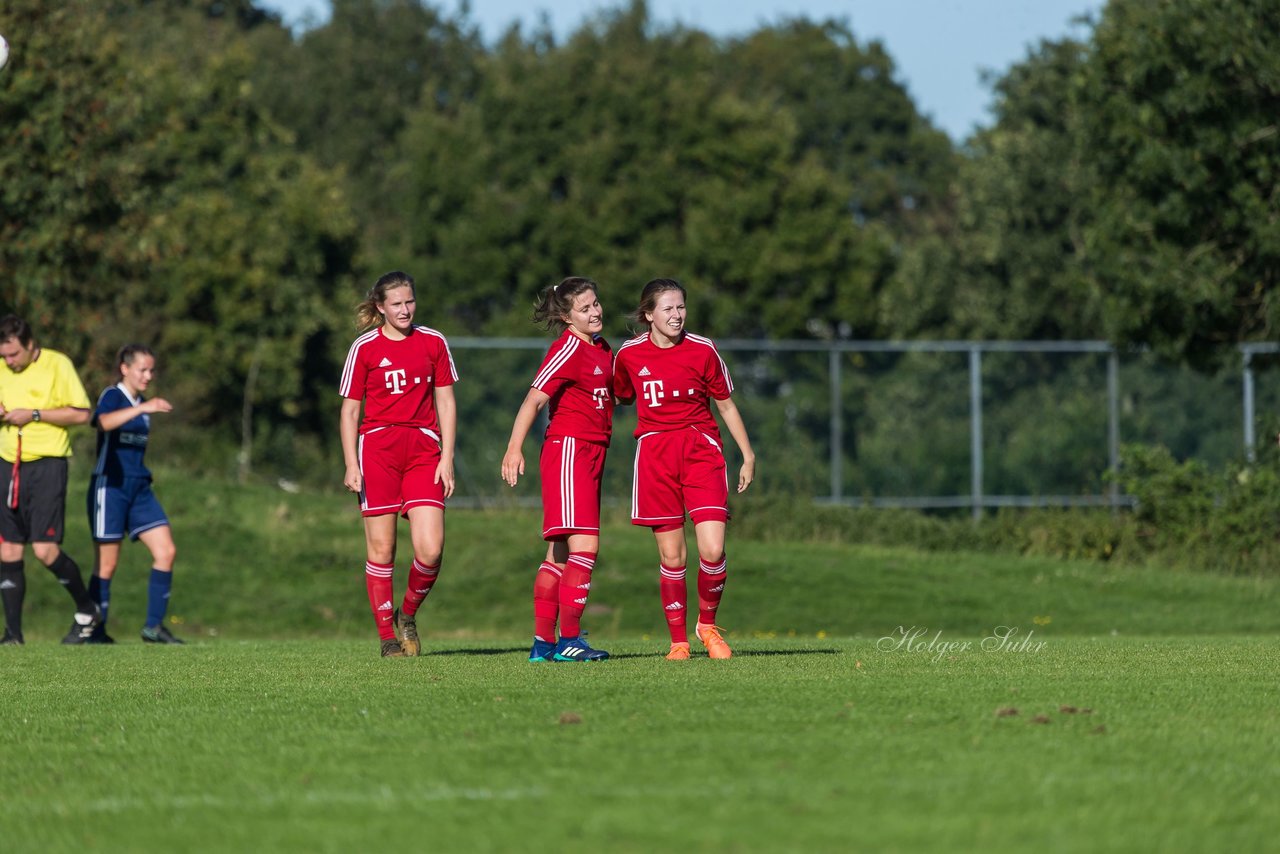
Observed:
{"x":16,"y":479}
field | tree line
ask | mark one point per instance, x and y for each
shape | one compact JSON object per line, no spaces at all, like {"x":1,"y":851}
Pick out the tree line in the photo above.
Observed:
{"x":191,"y":174}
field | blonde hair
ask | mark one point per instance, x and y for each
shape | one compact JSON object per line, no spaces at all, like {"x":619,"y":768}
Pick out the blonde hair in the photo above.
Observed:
{"x":367,"y":314}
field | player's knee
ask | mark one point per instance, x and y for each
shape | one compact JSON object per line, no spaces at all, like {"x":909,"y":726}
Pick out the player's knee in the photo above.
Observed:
{"x":164,"y":556}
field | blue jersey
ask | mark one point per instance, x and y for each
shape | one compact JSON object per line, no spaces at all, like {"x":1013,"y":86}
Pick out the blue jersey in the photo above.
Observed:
{"x":120,"y":451}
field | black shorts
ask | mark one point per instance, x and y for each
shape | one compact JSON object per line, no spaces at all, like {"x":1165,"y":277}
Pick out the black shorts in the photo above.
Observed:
{"x":42,"y":501}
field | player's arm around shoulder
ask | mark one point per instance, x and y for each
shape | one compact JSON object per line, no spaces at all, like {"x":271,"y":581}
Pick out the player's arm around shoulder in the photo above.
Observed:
{"x":738,"y":430}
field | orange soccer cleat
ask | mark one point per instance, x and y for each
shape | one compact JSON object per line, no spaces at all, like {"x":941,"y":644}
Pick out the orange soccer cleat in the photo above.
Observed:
{"x":710,"y":637}
{"x":679,"y":652}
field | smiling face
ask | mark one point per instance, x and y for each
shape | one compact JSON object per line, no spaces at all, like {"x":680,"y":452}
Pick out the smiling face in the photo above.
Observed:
{"x":138,"y":373}
{"x":398,"y":308}
{"x":666,"y":320}
{"x":586,"y":317}
{"x":16,"y":354}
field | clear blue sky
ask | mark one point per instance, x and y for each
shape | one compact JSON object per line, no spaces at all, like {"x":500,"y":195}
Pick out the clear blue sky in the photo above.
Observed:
{"x":940,"y":47}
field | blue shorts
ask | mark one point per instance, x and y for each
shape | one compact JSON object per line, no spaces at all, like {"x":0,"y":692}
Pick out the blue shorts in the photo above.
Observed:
{"x":116,"y":508}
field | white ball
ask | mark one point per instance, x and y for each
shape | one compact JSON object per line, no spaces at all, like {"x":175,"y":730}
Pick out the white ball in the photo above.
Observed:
{"x":4,"y":52}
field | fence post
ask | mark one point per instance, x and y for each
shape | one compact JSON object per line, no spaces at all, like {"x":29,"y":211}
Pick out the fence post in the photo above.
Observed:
{"x":1113,"y":425}
{"x":837,"y":427}
{"x":1250,"y":440}
{"x":975,"y":428}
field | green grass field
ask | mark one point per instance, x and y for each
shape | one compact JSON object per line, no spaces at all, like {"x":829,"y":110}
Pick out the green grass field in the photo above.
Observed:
{"x":869,"y":706}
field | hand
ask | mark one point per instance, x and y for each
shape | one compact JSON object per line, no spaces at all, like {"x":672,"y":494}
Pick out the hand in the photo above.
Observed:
{"x":157,"y":404}
{"x":17,"y":417}
{"x":512,"y":467}
{"x":353,"y":481}
{"x":746,"y":475}
{"x":444,"y":476}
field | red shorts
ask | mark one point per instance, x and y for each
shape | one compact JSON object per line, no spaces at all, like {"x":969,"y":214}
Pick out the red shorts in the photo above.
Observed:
{"x":398,"y":467}
{"x":679,"y":471}
{"x":571,"y":471}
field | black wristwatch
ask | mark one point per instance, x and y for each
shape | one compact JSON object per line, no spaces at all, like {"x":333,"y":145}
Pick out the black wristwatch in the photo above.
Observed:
{"x":35,"y":415}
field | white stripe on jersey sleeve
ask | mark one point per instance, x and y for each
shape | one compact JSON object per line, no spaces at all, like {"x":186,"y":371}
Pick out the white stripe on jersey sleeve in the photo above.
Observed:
{"x":344,"y":386}
{"x":558,"y":361}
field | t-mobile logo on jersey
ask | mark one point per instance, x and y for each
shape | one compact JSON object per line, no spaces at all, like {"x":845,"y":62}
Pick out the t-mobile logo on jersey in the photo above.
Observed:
{"x":653,"y":392}
{"x":601,"y":395}
{"x":395,"y":380}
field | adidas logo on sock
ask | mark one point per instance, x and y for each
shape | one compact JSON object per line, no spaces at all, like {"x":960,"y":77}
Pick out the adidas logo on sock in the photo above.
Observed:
{"x":581,"y":601}
{"x":675,"y":606}
{"x":644,"y":372}
{"x":425,"y":590}
{"x":385,"y":363}
{"x":719,"y":588}
{"x":386,"y":606}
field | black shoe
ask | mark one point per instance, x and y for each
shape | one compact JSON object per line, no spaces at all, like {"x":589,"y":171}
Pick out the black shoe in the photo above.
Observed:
{"x":11,"y":639}
{"x":83,"y":625}
{"x":100,"y":636}
{"x":158,"y":634}
{"x":392,"y":649}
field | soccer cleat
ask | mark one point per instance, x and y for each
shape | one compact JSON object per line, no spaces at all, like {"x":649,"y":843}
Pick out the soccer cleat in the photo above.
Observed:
{"x":577,"y":649}
{"x":11,"y":639}
{"x":679,"y":652}
{"x":391,"y":649}
{"x":83,"y":625}
{"x":542,"y":650}
{"x":100,"y":636}
{"x":158,"y":634}
{"x":710,"y":637}
{"x":407,"y":632}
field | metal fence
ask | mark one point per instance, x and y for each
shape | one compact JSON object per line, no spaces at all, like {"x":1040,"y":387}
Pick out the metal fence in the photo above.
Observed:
{"x":917,"y":424}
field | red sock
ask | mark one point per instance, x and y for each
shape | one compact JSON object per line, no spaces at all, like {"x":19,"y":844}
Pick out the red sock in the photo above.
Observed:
{"x":674,"y":594}
{"x":711,"y":578}
{"x":546,"y":601}
{"x":575,"y":586}
{"x":421,"y":580}
{"x":377,"y":580}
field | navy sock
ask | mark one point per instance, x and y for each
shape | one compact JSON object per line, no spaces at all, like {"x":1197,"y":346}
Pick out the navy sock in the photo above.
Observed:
{"x":158,"y":597}
{"x":100,"y":592}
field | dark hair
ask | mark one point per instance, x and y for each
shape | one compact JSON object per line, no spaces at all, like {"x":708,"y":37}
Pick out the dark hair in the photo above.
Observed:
{"x":12,"y":326}
{"x":649,"y":298}
{"x":131,"y":351}
{"x":557,"y":301}
{"x":367,"y":314}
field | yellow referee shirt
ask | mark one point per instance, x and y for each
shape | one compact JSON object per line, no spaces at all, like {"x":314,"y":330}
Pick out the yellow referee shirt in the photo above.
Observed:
{"x":49,"y":382}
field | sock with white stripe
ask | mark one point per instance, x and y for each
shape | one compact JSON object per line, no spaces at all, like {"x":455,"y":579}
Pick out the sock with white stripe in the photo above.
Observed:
{"x":546,"y":601}
{"x":674,"y":595}
{"x":377,"y":580}
{"x":575,"y":586}
{"x":421,"y":580}
{"x":711,"y":578}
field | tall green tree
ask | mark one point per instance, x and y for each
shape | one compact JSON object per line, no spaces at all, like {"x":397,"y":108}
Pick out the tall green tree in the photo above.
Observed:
{"x":157,"y":200}
{"x":1181,"y":103}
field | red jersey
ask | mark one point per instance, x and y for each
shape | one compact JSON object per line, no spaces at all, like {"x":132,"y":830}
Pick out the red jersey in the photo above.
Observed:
{"x":578,"y":377}
{"x":397,"y":379}
{"x":672,"y":387}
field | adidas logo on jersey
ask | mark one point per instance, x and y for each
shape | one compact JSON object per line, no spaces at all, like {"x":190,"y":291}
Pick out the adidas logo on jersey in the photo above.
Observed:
{"x":385,"y":363}
{"x":675,"y":606}
{"x":386,"y":606}
{"x":597,"y":372}
{"x":644,"y":372}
